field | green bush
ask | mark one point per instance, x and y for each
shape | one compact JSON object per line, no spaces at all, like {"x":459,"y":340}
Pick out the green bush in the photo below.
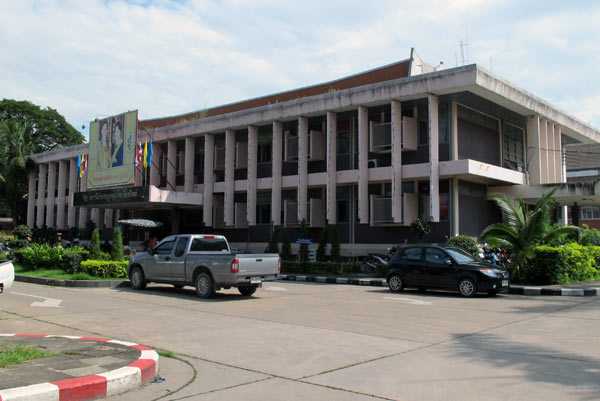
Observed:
{"x":286,"y":247}
{"x":104,"y":268}
{"x":561,"y":265}
{"x":15,"y":244}
{"x":382,"y":270}
{"x":116,"y":252}
{"x":333,"y":268}
{"x":95,"y":244}
{"x":72,"y":258}
{"x":465,"y":243}
{"x":22,"y":232}
{"x":39,"y":256}
{"x":589,"y":236}
{"x":303,"y":251}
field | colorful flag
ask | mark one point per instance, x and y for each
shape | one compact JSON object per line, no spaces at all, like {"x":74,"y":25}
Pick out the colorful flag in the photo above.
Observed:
{"x":79,"y":165}
{"x":150,"y":151}
{"x":146,"y":154}
{"x":85,"y":162}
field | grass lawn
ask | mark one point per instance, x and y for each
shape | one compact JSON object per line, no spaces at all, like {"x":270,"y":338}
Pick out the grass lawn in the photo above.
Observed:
{"x":15,"y":354}
{"x":58,"y":274}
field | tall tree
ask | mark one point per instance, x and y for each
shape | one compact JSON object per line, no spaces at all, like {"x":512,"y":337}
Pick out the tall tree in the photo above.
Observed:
{"x":49,"y":129}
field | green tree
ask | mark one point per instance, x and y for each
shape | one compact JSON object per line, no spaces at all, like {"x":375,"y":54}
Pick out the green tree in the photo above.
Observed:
{"x":95,"y":252}
{"x":303,"y":253}
{"x":420,"y":228}
{"x":522,"y":229}
{"x":286,"y":247}
{"x":116,"y":252}
{"x":329,"y":234}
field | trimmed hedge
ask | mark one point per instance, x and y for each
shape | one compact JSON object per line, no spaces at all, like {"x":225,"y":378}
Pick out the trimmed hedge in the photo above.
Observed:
{"x":465,"y":243}
{"x":562,"y":265}
{"x":304,"y":267}
{"x":103,"y":268}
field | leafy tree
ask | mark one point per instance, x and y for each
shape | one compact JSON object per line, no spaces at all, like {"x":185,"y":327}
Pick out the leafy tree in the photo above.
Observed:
{"x":331,"y":233}
{"x":273,"y":244}
{"x":335,"y":243}
{"x":522,"y":229}
{"x":589,"y":236}
{"x":286,"y":247}
{"x":321,"y":249}
{"x":465,"y":243}
{"x":303,"y":253}
{"x":95,"y":252}
{"x":116,"y":252}
{"x":420,"y":228}
{"x":22,"y":232}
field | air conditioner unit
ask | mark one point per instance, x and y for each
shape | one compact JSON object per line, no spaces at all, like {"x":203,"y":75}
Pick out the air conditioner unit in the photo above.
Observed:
{"x":409,"y":134}
{"x":316,"y":146}
{"x":290,"y":213}
{"x":219,"y":158}
{"x":240,"y":210}
{"x":219,"y":217}
{"x":291,"y":147}
{"x":373,"y":163}
{"x":380,"y":137}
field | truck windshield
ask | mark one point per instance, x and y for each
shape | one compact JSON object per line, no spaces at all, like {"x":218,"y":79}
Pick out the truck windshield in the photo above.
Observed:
{"x":209,"y":244}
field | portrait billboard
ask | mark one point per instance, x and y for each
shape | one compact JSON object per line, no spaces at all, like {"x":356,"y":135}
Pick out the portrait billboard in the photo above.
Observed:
{"x":112,"y":151}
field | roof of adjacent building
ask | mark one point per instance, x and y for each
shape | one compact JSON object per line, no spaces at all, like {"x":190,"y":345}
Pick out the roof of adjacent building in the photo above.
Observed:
{"x":583,"y":157}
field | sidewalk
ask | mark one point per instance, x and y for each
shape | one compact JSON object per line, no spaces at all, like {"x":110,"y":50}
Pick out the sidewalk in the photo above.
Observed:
{"x":84,"y":369}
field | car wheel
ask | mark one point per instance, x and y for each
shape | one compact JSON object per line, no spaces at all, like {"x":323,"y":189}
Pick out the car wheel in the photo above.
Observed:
{"x":467,"y":287}
{"x":247,"y":291}
{"x":137,"y":278}
{"x":178,"y":286}
{"x":204,"y":285}
{"x":395,"y":283}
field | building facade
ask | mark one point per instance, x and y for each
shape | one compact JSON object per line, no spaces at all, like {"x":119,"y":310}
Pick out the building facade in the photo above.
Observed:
{"x":370,"y":153}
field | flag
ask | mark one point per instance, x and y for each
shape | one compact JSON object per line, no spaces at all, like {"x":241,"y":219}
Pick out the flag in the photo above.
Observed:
{"x":85,"y":162}
{"x":79,"y":165}
{"x":145,"y":154}
{"x":149,"y":156}
{"x":138,"y":155}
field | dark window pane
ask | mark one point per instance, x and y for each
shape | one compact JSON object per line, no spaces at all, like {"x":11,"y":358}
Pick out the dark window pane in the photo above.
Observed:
{"x":165,"y":248}
{"x":181,"y":245}
{"x":412,"y":254}
{"x":208,"y":245}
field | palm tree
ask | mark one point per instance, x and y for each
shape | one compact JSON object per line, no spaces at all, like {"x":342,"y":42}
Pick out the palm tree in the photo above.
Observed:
{"x":15,"y":148}
{"x":522,"y":229}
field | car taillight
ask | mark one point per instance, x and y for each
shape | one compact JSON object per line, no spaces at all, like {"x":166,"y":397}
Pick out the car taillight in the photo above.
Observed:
{"x":235,"y":265}
{"x":278,"y":264}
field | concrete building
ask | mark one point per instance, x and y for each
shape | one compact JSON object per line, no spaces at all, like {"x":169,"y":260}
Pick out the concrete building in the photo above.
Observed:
{"x":369,"y":153}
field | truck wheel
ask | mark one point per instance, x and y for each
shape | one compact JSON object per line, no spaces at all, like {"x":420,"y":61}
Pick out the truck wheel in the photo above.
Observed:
{"x":204,"y":285}
{"x":247,"y":291}
{"x":136,"y":276}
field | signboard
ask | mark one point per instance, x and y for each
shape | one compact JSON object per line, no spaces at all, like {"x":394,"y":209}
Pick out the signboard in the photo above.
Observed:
{"x":304,"y":240}
{"x":111,"y":196}
{"x":112,"y":151}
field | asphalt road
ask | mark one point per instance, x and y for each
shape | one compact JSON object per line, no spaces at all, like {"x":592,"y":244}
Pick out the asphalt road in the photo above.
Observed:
{"x":306,"y":341}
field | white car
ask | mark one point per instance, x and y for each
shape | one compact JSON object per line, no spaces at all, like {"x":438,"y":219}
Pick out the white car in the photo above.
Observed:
{"x":7,"y":275}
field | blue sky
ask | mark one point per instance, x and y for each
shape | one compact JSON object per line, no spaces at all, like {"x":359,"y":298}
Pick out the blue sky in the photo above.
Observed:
{"x":96,"y":57}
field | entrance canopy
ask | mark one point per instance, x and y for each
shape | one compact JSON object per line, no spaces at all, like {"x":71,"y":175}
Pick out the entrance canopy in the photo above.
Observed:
{"x":136,"y":197}
{"x":569,"y":194}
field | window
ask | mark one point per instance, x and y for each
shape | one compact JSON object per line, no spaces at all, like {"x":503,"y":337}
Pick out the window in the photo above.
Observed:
{"x":343,"y":211}
{"x":512,"y":147}
{"x":433,"y":255}
{"x":181,"y":246}
{"x":209,"y":245}
{"x":264,"y":152}
{"x":423,"y":133}
{"x":412,"y":254}
{"x":343,"y":143}
{"x":590,"y":213}
{"x":263,"y":214}
{"x":165,"y":248}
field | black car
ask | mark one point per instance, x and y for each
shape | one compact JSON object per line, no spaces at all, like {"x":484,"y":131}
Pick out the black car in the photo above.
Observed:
{"x":444,"y":267}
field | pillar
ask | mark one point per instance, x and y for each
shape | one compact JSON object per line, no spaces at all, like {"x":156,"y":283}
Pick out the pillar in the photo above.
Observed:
{"x":302,"y":169}
{"x":434,"y":163}
{"x":51,"y":195}
{"x":72,"y":190}
{"x":533,"y":163}
{"x":277,"y":165}
{"x":397,"y":162}
{"x":155,"y":166}
{"x":454,"y":129}
{"x":363,"y":165}
{"x":209,"y":163}
{"x":171,"y":168}
{"x":190,"y":154}
{"x":229,"y":176}
{"x":331,"y":167}
{"x":61,"y":200}
{"x":455,"y":226}
{"x":252,"y":174}
{"x":82,"y":210}
{"x":558,"y":165}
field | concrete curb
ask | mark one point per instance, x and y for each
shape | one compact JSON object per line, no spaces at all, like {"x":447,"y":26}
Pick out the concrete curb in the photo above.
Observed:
{"x":519,"y":290}
{"x":73,"y":283}
{"x":89,"y":387}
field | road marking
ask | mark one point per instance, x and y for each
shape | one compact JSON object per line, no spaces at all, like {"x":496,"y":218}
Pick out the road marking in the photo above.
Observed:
{"x":271,"y":288}
{"x":410,"y":301}
{"x":47,"y":303}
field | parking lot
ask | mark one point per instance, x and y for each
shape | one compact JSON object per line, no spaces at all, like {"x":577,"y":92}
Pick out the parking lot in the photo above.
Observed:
{"x":335,"y":342}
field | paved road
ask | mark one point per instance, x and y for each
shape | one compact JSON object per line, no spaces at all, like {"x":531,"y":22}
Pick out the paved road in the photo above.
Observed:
{"x":301,"y":341}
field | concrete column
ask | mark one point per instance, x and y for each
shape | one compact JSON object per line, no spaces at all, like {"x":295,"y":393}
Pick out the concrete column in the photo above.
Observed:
{"x":455,"y":226}
{"x":454,"y":129}
{"x":31,"y":201}
{"x":331,"y":167}
{"x":155,"y":167}
{"x":544,"y":151}
{"x":551,"y":150}
{"x":277,"y":165}
{"x":82,"y":210}
{"x":434,"y":163}
{"x":363,"y":165}
{"x":229,"y":176}
{"x":209,"y":163}
{"x":171,"y":168}
{"x":61,"y":200}
{"x":397,"y":162}
{"x":532,"y":151}
{"x":302,"y":168}
{"x":72,"y":190}
{"x":41,"y":199}
{"x":558,"y":167}
{"x":190,"y":147}
{"x":51,"y":195}
{"x":252,"y":174}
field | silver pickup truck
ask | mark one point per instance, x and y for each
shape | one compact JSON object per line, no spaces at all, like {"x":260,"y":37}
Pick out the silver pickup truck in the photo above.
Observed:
{"x":204,"y":261}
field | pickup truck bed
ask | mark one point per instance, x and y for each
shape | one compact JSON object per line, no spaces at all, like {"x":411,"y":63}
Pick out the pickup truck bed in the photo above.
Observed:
{"x":7,"y":275}
{"x":204,"y":261}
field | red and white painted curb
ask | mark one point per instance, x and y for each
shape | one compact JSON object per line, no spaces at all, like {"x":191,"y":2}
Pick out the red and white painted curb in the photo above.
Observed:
{"x":89,"y":387}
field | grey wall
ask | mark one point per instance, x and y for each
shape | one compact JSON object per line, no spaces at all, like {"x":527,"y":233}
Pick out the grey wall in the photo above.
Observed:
{"x":478,"y":143}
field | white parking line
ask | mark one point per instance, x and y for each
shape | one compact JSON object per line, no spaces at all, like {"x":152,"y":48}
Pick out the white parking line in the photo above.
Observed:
{"x":47,"y":303}
{"x":410,"y":301}
{"x":271,"y":288}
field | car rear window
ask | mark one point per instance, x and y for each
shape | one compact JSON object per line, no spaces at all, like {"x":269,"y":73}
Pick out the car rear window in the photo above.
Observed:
{"x":209,"y":245}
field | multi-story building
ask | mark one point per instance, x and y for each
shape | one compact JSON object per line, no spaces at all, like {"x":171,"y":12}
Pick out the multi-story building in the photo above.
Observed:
{"x":369,"y":153}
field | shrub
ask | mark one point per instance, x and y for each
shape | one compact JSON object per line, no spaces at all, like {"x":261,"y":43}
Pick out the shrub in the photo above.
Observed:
{"x":334,"y":268}
{"x":22,"y":232}
{"x":589,"y":236}
{"x":562,"y":265}
{"x":116,"y":251}
{"x":39,"y":256}
{"x":335,"y":243}
{"x":106,"y":269}
{"x":72,"y":258}
{"x":465,"y":243}
{"x":95,"y":244}
{"x":273,"y":244}
{"x":321,"y":249}
{"x":15,"y":244}
{"x":303,"y":252}
{"x":420,"y":228}
{"x":286,"y":247}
